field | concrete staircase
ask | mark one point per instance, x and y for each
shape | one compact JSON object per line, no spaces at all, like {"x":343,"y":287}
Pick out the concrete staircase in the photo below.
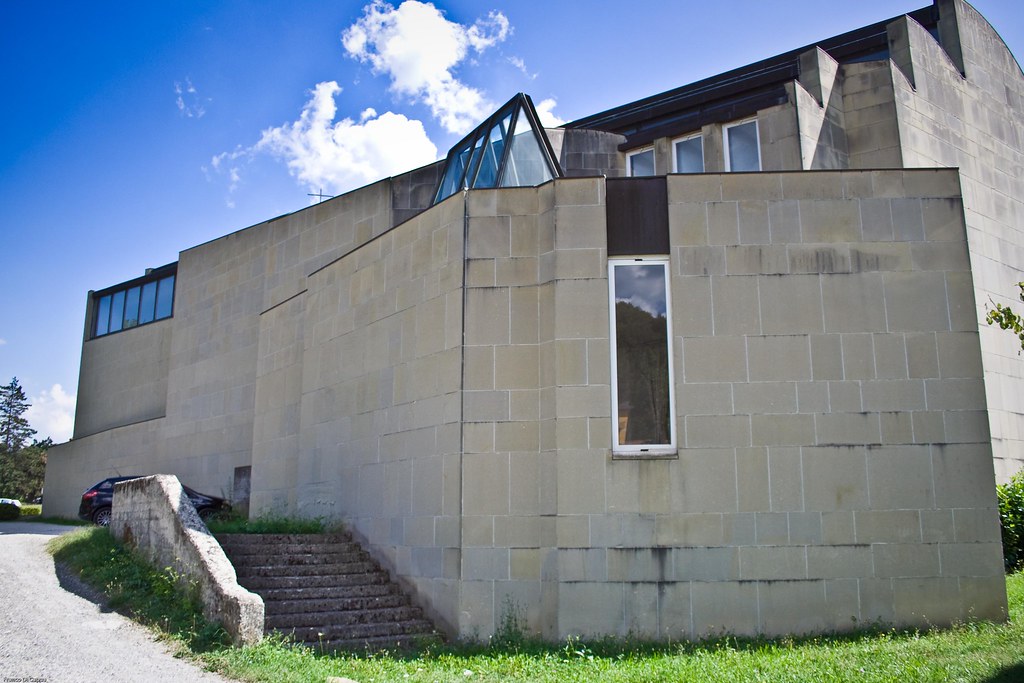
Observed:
{"x":324,"y":590}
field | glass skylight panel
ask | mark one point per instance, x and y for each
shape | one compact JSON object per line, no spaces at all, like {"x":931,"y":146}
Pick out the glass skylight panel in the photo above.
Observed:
{"x":506,"y":150}
{"x":488,"y":175}
{"x":474,"y":162}
{"x":453,"y":175}
{"x":526,"y":165}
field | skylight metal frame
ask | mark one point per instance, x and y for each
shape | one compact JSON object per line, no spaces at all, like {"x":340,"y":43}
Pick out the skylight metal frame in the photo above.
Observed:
{"x":479,"y":139}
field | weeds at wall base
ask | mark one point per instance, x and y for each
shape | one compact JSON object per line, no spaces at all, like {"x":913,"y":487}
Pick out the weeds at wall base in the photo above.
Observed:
{"x":231,"y":523}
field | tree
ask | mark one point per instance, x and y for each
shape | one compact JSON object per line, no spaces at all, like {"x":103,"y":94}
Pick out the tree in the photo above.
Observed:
{"x":1005,"y":317}
{"x":22,"y":472}
{"x":14,"y":428}
{"x":22,"y":468}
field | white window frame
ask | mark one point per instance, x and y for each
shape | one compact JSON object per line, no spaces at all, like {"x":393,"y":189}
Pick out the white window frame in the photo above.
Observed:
{"x":725,"y":141}
{"x":642,"y":450}
{"x":638,"y":152}
{"x":675,"y":157}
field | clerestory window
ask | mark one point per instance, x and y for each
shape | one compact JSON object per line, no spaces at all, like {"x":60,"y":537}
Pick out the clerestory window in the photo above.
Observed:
{"x":688,"y":154}
{"x":140,"y":301}
{"x":742,"y":147}
{"x":640,"y":162}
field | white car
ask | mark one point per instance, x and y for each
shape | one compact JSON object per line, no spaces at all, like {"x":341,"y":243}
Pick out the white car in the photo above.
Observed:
{"x":11,"y":501}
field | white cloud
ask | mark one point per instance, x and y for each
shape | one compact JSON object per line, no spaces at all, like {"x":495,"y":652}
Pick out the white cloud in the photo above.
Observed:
{"x":336,"y":155}
{"x":188,"y":101}
{"x":52,"y":414}
{"x":518,"y":63}
{"x":418,"y":48}
{"x":3,"y":342}
{"x":548,"y":119}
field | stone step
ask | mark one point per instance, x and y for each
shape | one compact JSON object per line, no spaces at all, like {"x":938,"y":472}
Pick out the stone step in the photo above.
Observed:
{"x":301,"y":572}
{"x":264,"y":540}
{"x":260,"y":584}
{"x":341,"y":589}
{"x":344,"y":618}
{"x":326,"y":591}
{"x":289,"y":560}
{"x":272,"y":550}
{"x":386,"y":596}
{"x":328,"y":634}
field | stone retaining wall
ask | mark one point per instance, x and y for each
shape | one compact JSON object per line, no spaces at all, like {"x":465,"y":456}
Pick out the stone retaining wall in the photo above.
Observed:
{"x":154,"y":516}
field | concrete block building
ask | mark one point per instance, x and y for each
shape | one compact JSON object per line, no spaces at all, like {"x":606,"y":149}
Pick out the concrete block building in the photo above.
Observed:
{"x":713,"y":361}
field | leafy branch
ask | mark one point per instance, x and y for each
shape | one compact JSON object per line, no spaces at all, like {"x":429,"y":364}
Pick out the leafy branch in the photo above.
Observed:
{"x":1007,"y":319}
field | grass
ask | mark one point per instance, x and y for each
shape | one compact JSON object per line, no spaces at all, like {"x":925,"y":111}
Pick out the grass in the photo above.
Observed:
{"x":234,"y":524}
{"x":131,"y":585}
{"x":33,"y":513}
{"x":972,"y":653}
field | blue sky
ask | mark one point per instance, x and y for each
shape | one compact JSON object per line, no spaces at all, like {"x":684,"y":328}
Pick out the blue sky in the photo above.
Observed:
{"x":132,"y":131}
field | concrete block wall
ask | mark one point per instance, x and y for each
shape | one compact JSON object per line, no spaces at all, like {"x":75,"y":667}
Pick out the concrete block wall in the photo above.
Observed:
{"x":190,"y":381}
{"x":111,"y":397}
{"x":974,"y":122}
{"x":834,"y":466}
{"x":536,"y":374}
{"x":219,"y":295}
{"x":818,"y":97}
{"x":275,"y":448}
{"x":379,"y":437}
{"x":831,"y":387}
{"x":72,"y":467}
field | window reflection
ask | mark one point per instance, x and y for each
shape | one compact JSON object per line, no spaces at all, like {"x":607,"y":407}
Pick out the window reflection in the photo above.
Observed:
{"x":642,"y":163}
{"x":148,"y":303}
{"x":642,"y":379}
{"x":165,"y":298}
{"x":743,"y":153}
{"x":689,"y":155}
{"x":133,"y":306}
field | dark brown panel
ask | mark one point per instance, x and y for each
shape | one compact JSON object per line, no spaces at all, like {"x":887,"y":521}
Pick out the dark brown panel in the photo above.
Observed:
{"x":637,"y":216}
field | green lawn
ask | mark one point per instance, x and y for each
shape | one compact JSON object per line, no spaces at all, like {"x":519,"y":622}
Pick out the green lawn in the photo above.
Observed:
{"x":977,"y":652}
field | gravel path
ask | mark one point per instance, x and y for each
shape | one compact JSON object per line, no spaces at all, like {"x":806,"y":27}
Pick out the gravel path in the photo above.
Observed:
{"x":50,"y":634}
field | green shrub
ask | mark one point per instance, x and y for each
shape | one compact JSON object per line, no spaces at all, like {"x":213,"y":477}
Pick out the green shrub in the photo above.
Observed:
{"x":1011,"y":519}
{"x":9,"y":512}
{"x":29,"y":510}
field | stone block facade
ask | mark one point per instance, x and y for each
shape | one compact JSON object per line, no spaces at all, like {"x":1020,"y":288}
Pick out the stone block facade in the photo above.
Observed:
{"x":439,"y":375}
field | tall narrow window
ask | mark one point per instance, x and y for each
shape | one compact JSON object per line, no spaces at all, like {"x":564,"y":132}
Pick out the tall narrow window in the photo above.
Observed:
{"x":688,"y":154}
{"x":642,"y":390}
{"x":640,"y":163}
{"x":742,"y":149}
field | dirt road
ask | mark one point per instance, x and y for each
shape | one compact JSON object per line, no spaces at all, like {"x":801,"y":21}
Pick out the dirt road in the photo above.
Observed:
{"x":52,"y":635}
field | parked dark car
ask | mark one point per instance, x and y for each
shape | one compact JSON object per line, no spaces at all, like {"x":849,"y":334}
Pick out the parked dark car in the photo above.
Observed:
{"x":97,"y":499}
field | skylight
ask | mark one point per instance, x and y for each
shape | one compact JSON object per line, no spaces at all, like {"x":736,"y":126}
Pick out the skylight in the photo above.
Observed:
{"x":509,"y":149}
